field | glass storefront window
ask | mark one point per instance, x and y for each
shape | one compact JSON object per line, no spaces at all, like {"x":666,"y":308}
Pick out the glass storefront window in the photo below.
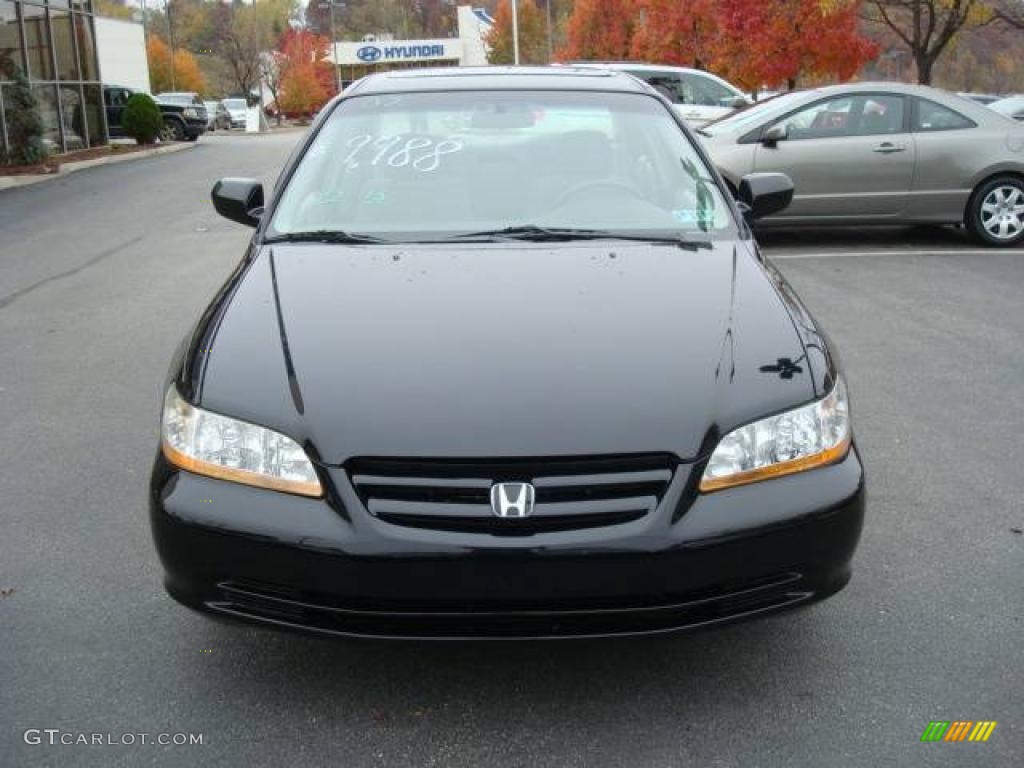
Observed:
{"x":46,"y":95}
{"x":86,"y":48}
{"x":63,"y":44}
{"x":94,"y":115}
{"x":53,"y":42}
{"x":37,"y":42}
{"x":73,"y":112}
{"x":3,"y":126}
{"x":10,"y":40}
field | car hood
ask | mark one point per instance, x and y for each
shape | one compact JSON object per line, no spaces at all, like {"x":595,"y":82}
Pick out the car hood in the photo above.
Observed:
{"x":501,"y":350}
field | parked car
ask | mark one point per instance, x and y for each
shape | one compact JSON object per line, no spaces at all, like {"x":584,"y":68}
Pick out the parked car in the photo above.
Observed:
{"x":191,"y":101}
{"x":590,"y":408}
{"x":182,"y":121}
{"x":982,"y":98}
{"x":698,"y":96}
{"x":1011,"y":106}
{"x":238,"y":109}
{"x":217,"y":116}
{"x":882,"y":153}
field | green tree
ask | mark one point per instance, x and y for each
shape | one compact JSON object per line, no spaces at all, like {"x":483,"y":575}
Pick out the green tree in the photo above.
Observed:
{"x":115,"y":9}
{"x":141,"y":118}
{"x":24,"y":124}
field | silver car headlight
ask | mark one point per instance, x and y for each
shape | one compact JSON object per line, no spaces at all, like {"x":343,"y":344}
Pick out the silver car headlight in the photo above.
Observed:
{"x":794,"y":441}
{"x":217,"y":446}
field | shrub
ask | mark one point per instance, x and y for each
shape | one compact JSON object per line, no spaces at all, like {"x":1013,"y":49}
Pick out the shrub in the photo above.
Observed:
{"x":141,"y":118}
{"x":24,"y":124}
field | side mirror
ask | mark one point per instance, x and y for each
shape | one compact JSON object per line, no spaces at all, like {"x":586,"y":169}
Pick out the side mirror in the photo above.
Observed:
{"x":240,"y":200}
{"x":762,"y":194}
{"x":774,"y":135}
{"x":740,"y":102}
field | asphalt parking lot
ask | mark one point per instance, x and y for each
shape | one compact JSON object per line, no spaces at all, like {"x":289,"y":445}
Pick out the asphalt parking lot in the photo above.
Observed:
{"x":103,"y":271}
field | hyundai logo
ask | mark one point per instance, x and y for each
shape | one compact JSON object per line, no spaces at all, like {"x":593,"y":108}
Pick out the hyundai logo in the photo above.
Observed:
{"x":369,"y":53}
{"x":512,"y":499}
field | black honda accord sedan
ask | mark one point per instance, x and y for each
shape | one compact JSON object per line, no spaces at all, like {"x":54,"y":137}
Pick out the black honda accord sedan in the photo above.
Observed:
{"x":503,"y":360}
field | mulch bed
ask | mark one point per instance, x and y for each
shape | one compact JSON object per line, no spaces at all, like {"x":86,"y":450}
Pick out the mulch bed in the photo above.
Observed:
{"x":52,"y":164}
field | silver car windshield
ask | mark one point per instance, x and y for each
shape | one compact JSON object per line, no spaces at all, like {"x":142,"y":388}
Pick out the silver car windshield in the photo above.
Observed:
{"x":454,"y":163}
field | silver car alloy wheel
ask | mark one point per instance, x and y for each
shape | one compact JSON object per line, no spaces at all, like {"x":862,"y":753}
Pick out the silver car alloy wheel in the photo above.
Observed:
{"x":1002,"y":212}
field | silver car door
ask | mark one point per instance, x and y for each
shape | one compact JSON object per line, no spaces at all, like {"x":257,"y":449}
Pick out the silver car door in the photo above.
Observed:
{"x":952,"y":150}
{"x":850,"y":157}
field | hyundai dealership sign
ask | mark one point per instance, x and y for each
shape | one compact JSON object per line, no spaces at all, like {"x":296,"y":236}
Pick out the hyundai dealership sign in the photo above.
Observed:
{"x":395,"y":51}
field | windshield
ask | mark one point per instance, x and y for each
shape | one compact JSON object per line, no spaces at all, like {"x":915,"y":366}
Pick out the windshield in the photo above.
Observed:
{"x":234,"y":103}
{"x":426,"y":165}
{"x":175,"y":98}
{"x":754,"y":114}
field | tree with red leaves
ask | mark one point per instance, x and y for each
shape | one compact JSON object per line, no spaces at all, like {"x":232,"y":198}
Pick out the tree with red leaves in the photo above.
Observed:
{"x":780,"y":42}
{"x":305,"y":73}
{"x":600,"y":29}
{"x":674,"y":32}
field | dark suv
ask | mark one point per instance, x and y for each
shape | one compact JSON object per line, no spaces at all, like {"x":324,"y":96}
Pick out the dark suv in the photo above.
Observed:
{"x":184,"y":120}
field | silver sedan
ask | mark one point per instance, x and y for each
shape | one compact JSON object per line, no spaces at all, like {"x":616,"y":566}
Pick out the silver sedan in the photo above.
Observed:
{"x":877,"y":153}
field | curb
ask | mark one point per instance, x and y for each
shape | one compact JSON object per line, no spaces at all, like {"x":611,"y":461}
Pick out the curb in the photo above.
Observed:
{"x":13,"y":182}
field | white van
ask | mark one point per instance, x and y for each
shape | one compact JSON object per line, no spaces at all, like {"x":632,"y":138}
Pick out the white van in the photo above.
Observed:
{"x":699,"y":96}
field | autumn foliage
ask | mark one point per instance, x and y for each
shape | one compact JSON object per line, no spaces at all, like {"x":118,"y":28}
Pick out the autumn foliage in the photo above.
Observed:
{"x":533,"y":45}
{"x":305,"y":73}
{"x":186,"y":75}
{"x":755,"y":43}
{"x":600,"y":29}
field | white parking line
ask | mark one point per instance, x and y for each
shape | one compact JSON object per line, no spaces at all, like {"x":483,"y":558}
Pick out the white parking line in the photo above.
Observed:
{"x":813,"y":254}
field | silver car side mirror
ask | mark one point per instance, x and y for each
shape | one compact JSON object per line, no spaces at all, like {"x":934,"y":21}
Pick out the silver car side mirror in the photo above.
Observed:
{"x":774,"y":135}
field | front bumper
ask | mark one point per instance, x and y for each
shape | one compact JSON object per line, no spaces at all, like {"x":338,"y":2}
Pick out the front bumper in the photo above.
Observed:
{"x":195,"y":127}
{"x":328,"y":566}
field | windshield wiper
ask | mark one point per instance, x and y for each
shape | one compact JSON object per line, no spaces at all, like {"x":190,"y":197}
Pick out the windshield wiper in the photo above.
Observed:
{"x":537,"y":234}
{"x":701,"y":131}
{"x":323,"y":236}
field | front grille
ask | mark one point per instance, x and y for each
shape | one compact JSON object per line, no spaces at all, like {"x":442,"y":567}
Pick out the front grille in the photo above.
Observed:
{"x":454,"y":495}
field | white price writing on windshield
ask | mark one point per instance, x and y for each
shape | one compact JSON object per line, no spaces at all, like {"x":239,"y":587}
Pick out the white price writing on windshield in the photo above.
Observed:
{"x":421,"y":154}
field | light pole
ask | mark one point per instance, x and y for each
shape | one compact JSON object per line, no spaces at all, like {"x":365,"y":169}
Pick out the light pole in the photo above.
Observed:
{"x":334,"y":47}
{"x":515,"y":32}
{"x":547,"y":9}
{"x":170,"y":36}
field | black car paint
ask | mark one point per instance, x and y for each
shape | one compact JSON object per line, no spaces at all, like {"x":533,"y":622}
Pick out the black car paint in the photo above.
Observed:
{"x":192,"y":127}
{"x":519,"y":351}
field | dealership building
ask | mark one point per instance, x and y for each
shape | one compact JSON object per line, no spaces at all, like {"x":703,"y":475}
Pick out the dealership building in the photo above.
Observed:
{"x":377,"y":54}
{"x":53,"y":42}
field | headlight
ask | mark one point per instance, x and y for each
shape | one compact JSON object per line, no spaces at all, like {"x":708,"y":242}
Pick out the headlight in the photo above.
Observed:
{"x":214,"y":445}
{"x":804,"y":438}
{"x":191,"y":112}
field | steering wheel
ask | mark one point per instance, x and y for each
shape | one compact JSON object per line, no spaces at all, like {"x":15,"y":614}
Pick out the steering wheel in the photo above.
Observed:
{"x":585,"y":186}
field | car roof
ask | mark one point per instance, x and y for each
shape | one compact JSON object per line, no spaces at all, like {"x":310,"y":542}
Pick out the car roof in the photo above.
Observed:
{"x":497,"y":78}
{"x":638,"y":66}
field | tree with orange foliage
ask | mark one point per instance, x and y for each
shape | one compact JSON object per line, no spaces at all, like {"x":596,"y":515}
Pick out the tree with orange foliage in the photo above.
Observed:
{"x":600,"y":29}
{"x":533,"y":45}
{"x":673,"y":32}
{"x":779,"y":42}
{"x":179,"y":72}
{"x":305,"y":73}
